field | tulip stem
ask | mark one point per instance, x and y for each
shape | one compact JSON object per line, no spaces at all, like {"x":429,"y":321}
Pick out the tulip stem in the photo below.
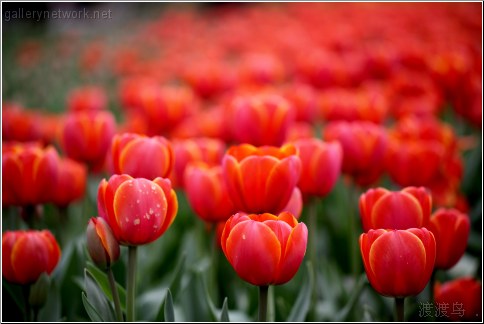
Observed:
{"x":399,"y":309}
{"x":28,"y":310}
{"x":114,"y":290}
{"x":352,"y":237}
{"x":263,"y":290}
{"x":131,"y":285}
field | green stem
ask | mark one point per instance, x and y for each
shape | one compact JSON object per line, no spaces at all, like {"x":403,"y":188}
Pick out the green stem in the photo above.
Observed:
{"x":263,"y":303}
{"x":399,"y":309}
{"x":114,"y":290}
{"x":352,"y":235}
{"x":313,"y":227}
{"x":131,"y":285}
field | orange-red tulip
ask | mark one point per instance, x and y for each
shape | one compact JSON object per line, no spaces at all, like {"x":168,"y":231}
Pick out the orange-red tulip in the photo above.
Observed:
{"x":459,"y":299}
{"x":141,"y":156}
{"x":87,"y":135}
{"x":138,"y":210}
{"x":364,"y":147}
{"x":101,"y":243}
{"x":321,"y":165}
{"x":451,"y":230}
{"x":87,"y":98}
{"x":71,"y":182}
{"x":29,"y":174}
{"x":208,"y":150}
{"x":398,"y":263}
{"x":206,"y":192}
{"x":260,"y":119}
{"x":27,"y":254}
{"x":264,"y":249}
{"x":261,"y":179}
{"x":407,"y":208}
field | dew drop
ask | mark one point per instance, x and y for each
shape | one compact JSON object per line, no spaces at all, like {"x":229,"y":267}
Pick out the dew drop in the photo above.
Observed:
{"x":136,"y":221}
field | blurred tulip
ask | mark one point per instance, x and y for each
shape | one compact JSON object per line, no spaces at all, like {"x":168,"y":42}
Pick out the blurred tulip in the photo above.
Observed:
{"x":451,"y":230}
{"x":459,"y":299}
{"x":71,"y":182}
{"x":129,"y":152}
{"x":407,"y":208}
{"x":29,"y":174}
{"x":208,"y":150}
{"x":260,"y":119}
{"x":27,"y":254}
{"x":101,"y":243}
{"x":264,"y":249}
{"x":364,"y":147}
{"x":88,"y":98}
{"x":321,"y":166}
{"x":398,"y":263}
{"x":86,"y":137}
{"x":303,"y":100}
{"x":299,"y":131}
{"x":295,"y":203}
{"x":261,"y":179}
{"x":206,"y":192}
{"x":138,"y":210}
{"x":260,"y":69}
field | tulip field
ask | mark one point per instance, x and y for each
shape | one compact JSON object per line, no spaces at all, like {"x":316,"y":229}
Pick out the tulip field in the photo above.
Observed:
{"x":249,"y":162}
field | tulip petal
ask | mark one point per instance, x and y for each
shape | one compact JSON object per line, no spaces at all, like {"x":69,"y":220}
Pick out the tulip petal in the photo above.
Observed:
{"x":396,"y":210}
{"x":293,"y":254}
{"x":398,"y":261}
{"x":254,"y":252}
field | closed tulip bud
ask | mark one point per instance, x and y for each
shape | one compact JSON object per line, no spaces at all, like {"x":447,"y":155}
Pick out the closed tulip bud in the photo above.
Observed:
{"x":398,"y":263}
{"x":261,"y":179}
{"x":321,"y":166}
{"x":459,"y":299}
{"x":264,"y":249}
{"x":27,"y":254}
{"x":206,"y":192}
{"x":138,"y":210}
{"x":407,"y":208}
{"x":451,"y":230}
{"x":29,"y":174}
{"x":101,"y":243}
{"x":129,"y":152}
{"x":86,"y":136}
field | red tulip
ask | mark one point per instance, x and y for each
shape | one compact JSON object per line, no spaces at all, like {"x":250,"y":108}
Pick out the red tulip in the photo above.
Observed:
{"x":260,"y":119}
{"x":87,"y":135}
{"x":130,"y":151}
{"x":29,"y":174}
{"x":398,"y":263}
{"x":87,"y":98}
{"x":101,"y":243}
{"x":71,"y":182}
{"x":206,"y":192}
{"x":295,"y":203}
{"x":27,"y":254}
{"x":264,"y":249}
{"x":364,"y":147}
{"x":208,"y":150}
{"x":261,"y":179}
{"x":451,"y":230}
{"x":407,"y":208}
{"x":138,"y":210}
{"x":459,"y":299}
{"x":321,"y":165}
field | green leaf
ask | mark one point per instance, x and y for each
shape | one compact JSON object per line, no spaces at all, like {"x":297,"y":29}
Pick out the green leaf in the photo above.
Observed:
{"x":208,"y":299}
{"x":97,"y":299}
{"x":169,"y":311}
{"x":102,"y":280}
{"x":301,"y":306}
{"x":175,"y":282}
{"x":91,"y":311}
{"x":344,"y":313}
{"x":224,"y":315}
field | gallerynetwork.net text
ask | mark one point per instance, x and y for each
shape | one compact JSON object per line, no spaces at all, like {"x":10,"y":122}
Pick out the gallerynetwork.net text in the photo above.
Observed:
{"x":39,"y":15}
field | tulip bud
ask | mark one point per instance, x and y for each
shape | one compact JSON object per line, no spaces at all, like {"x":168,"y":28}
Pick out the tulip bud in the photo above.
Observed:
{"x":39,"y":291}
{"x":101,"y":243}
